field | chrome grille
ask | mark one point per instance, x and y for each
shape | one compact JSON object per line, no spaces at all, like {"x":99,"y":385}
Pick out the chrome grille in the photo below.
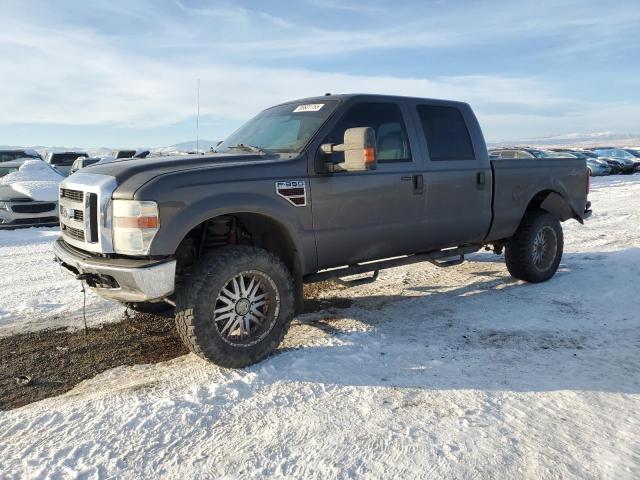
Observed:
{"x":85,"y":211}
{"x":73,"y":195}
{"x":74,"y":233}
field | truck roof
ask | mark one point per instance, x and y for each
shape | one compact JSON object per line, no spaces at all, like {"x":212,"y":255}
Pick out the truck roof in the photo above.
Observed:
{"x":349,"y":96}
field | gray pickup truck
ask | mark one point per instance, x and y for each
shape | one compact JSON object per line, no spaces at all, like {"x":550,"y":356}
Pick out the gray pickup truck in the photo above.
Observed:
{"x":309,"y":190}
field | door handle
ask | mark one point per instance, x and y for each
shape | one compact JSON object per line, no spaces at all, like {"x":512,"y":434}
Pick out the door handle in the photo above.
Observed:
{"x":418,"y":184}
{"x":480,"y":180}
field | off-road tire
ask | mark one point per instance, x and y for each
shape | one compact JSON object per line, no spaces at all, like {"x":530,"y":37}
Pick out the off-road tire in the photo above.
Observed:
{"x":196,"y":300}
{"x":519,"y":250}
{"x":148,"y":307}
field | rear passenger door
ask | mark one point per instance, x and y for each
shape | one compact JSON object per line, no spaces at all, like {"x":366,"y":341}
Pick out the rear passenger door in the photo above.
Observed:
{"x":458,"y":176}
{"x":369,"y":215}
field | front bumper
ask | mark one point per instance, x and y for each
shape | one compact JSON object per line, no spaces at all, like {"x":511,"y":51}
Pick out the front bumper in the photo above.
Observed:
{"x":121,"y":279}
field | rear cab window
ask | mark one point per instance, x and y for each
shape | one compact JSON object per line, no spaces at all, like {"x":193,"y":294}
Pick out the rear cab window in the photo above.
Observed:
{"x":392,"y":141}
{"x":446,"y":133}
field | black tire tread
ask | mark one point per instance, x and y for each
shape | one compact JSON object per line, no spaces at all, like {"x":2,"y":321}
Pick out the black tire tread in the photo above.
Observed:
{"x":518,"y":248}
{"x":189,"y":299}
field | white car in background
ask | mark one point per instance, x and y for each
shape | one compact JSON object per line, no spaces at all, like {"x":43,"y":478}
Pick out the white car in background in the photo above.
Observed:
{"x":18,"y":154}
{"x":29,"y":195}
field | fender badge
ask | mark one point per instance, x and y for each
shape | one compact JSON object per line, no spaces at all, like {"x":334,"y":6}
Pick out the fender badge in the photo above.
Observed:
{"x":295,"y":191}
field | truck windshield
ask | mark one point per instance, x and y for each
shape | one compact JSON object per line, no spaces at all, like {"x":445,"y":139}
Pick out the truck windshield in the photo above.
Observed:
{"x":282,"y":129}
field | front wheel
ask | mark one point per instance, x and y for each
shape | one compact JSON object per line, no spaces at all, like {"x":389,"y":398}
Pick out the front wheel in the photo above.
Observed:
{"x":236,"y":307}
{"x":533,"y":254}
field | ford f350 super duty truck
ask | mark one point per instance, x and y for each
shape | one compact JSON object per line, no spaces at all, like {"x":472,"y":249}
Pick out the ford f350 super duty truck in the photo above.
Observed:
{"x":306,"y":191}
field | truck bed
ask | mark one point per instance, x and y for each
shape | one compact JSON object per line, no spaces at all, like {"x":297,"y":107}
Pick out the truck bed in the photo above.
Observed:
{"x":517,"y":181}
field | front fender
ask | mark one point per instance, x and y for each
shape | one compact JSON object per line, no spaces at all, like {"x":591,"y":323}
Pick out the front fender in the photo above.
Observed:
{"x":178,"y":218}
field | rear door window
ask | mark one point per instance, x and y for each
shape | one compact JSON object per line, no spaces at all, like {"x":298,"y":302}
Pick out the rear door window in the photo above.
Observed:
{"x":392,"y":141}
{"x":446,"y":133}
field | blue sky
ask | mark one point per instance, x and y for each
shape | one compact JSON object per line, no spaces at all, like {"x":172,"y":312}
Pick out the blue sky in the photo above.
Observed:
{"x":124,"y":73}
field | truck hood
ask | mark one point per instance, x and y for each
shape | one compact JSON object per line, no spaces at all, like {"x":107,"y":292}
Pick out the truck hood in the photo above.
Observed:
{"x":132,"y":173}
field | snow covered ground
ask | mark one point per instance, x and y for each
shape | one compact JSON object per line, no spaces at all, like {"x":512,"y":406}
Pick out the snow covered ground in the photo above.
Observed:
{"x":35,"y":292}
{"x":433,"y":373}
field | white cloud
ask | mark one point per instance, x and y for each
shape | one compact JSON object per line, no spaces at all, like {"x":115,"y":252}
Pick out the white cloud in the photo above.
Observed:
{"x":74,"y":74}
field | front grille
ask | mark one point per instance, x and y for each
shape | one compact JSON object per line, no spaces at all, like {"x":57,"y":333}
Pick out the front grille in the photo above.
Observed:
{"x":33,"y":207}
{"x":73,"y":195}
{"x":74,"y":233}
{"x":80,"y":212}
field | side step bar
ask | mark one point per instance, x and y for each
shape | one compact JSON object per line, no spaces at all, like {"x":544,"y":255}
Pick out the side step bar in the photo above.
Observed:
{"x":433,"y":257}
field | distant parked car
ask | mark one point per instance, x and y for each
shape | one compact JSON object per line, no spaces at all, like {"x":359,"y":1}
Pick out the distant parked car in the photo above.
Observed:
{"x":598,"y":167}
{"x":62,"y":161}
{"x":516,"y":152}
{"x":595,"y":166}
{"x":631,"y":163}
{"x":633,"y":151}
{"x":617,"y":166}
{"x":28,"y":195}
{"x":19,"y":210}
{"x":82,"y":162}
{"x":10,"y":167}
{"x":560,"y":154}
{"x":16,"y":154}
{"x":139,"y":153}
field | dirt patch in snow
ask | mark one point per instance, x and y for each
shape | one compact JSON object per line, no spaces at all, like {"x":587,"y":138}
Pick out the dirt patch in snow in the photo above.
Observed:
{"x":57,"y":360}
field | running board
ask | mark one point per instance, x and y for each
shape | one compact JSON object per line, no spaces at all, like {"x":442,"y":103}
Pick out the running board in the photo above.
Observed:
{"x":448,"y":263}
{"x":358,"y":281}
{"x":359,"y":268}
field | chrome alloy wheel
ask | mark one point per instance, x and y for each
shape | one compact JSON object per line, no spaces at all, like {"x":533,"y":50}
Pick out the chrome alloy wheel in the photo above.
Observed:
{"x":246,"y":308}
{"x":545,"y":247}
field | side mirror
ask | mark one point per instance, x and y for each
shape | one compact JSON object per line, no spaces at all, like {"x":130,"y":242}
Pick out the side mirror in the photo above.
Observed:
{"x":359,"y":149}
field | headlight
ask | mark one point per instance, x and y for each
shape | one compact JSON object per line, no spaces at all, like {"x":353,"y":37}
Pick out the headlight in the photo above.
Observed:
{"x":134,"y":226}
{"x":3,"y":206}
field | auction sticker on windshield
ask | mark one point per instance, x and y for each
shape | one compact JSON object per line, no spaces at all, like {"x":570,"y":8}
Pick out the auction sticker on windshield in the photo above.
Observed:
{"x":310,"y":107}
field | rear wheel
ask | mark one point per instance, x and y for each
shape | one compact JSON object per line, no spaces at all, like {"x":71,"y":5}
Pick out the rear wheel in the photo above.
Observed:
{"x":533,"y":254}
{"x":236,"y":307}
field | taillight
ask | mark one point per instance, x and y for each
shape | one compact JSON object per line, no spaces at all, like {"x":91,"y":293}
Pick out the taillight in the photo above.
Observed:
{"x":588,"y":182}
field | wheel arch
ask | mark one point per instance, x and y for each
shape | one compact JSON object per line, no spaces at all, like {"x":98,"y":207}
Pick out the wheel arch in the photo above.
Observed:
{"x":554,"y":203}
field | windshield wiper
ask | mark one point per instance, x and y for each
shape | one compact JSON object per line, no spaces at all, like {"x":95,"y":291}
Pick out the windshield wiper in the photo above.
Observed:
{"x":246,"y":148}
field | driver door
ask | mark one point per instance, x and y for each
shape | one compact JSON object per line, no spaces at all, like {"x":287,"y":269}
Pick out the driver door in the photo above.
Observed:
{"x":360,"y":216}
